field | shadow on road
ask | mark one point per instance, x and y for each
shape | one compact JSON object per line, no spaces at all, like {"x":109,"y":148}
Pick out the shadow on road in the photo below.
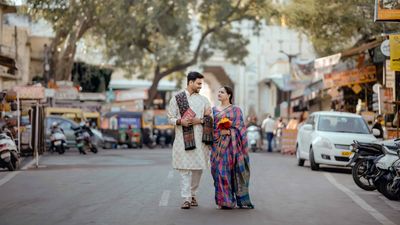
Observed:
{"x":341,"y":170}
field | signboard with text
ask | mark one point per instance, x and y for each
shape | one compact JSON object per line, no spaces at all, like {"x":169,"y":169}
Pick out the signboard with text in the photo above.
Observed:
{"x":394,"y":41}
{"x":350,"y":77}
{"x":130,"y":95}
{"x":387,"y":10}
{"x":30,"y":92}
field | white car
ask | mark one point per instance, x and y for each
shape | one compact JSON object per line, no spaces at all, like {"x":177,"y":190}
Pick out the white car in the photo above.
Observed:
{"x":325,"y":138}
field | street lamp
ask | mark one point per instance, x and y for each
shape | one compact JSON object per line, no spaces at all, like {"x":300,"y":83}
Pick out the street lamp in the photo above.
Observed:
{"x":289,"y":92}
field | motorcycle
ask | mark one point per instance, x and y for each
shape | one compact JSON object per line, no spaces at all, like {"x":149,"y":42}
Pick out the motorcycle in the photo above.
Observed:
{"x":83,"y":138}
{"x":364,"y":170}
{"x":385,"y":181}
{"x":164,"y":138}
{"x":9,"y":155}
{"x":58,"y":141}
{"x":149,"y":139}
{"x":253,"y":137}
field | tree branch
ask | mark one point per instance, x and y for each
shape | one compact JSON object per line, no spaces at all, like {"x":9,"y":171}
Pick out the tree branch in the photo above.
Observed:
{"x":208,"y":31}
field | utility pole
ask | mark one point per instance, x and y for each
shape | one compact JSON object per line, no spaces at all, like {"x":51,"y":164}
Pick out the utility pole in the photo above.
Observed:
{"x":289,"y":92}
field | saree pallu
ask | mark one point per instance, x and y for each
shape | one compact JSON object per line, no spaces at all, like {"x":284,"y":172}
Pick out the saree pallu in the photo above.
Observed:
{"x":230,"y":161}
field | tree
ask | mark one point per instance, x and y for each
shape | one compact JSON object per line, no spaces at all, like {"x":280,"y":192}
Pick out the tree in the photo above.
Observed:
{"x":70,"y":20}
{"x":163,"y":37}
{"x":334,"y":25}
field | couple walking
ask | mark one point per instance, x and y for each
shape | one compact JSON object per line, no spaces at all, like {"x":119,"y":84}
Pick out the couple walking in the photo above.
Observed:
{"x":204,"y":135}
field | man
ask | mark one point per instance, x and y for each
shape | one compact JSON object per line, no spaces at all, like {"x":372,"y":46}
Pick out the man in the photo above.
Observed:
{"x":268,"y":126}
{"x":378,"y":126}
{"x":190,"y":156}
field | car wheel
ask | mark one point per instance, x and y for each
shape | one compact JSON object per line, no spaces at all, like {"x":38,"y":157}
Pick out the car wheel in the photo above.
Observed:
{"x":314,"y":166}
{"x":300,"y":161}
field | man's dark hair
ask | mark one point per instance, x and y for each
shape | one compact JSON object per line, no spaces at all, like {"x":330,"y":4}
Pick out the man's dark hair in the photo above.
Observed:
{"x":192,"y":76}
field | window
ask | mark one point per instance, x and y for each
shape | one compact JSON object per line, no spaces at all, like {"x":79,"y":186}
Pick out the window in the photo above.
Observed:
{"x":342,"y":124}
{"x":310,"y":120}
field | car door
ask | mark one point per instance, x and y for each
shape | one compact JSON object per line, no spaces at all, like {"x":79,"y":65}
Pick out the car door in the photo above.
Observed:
{"x":307,"y":134}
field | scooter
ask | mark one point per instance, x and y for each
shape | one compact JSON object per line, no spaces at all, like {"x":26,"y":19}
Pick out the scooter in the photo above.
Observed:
{"x":83,"y":138}
{"x":9,"y":155}
{"x":253,"y":137}
{"x":58,"y":141}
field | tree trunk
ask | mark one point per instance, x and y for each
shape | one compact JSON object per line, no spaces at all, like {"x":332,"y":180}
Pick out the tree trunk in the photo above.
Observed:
{"x":153,"y":88}
{"x":62,"y":63}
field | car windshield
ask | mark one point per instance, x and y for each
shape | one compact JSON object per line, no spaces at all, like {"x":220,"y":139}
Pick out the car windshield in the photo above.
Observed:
{"x":343,"y":124}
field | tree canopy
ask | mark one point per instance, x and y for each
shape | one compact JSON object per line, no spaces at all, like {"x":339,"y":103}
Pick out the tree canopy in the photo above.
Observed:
{"x":334,"y":25}
{"x":70,"y":20}
{"x":160,"y":37}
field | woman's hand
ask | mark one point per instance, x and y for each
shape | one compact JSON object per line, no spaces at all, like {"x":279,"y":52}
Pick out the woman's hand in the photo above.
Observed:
{"x":225,"y":132}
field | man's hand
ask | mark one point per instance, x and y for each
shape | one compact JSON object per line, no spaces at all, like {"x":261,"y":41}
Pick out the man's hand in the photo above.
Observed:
{"x":207,"y":112}
{"x":225,"y":132}
{"x":186,"y":122}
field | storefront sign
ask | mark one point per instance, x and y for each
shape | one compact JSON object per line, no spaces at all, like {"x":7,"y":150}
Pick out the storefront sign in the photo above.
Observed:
{"x":385,"y":100}
{"x":394,"y":52}
{"x":389,"y":75}
{"x":387,"y":10}
{"x":327,"y":61}
{"x":356,"y":88}
{"x":350,"y":77}
{"x":66,"y":93}
{"x":121,"y":96}
{"x":30,"y":92}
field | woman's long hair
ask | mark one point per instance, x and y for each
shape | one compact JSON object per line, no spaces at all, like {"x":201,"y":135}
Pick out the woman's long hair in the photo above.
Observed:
{"x":229,"y":91}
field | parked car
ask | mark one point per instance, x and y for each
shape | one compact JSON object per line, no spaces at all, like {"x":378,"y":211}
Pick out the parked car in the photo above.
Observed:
{"x":66,"y":124}
{"x":325,"y":138}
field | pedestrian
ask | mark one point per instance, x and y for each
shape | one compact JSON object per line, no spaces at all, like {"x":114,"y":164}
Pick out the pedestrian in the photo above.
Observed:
{"x":278,"y":132}
{"x":268,"y":126}
{"x":229,"y":155}
{"x":378,"y":125}
{"x":191,"y":147}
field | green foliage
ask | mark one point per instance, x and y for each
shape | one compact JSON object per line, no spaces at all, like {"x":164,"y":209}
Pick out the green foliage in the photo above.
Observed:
{"x":334,"y":25}
{"x":171,"y":35}
{"x":91,"y":78}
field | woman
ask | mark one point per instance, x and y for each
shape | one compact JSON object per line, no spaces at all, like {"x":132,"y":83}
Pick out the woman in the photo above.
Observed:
{"x":229,"y":155}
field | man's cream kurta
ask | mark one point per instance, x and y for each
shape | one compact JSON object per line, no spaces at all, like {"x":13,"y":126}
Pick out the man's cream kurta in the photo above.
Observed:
{"x":198,"y":158}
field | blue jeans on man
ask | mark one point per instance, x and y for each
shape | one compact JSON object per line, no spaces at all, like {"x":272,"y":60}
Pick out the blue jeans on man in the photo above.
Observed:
{"x":270,"y":136}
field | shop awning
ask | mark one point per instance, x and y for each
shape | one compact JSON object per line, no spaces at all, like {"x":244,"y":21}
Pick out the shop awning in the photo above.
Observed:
{"x":141,"y":84}
{"x":362,"y":48}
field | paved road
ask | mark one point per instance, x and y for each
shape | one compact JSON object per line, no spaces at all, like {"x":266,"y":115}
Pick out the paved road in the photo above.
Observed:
{"x":139,"y":187}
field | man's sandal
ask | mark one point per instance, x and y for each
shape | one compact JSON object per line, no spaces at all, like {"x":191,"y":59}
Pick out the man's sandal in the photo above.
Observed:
{"x":185,"y":205}
{"x":194,"y":202}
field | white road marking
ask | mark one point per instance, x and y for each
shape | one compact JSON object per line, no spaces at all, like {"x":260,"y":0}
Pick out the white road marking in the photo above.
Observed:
{"x":170,"y":174}
{"x":359,"y":201}
{"x":165,"y":198}
{"x":394,"y":205}
{"x":11,"y":175}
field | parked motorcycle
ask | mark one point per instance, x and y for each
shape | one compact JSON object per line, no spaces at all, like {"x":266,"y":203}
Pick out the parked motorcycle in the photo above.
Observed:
{"x":9,"y":155}
{"x":149,"y":139}
{"x":385,"y":180}
{"x":364,"y":170}
{"x":57,"y":139}
{"x":164,"y":138}
{"x":253,"y":137}
{"x":83,"y":138}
